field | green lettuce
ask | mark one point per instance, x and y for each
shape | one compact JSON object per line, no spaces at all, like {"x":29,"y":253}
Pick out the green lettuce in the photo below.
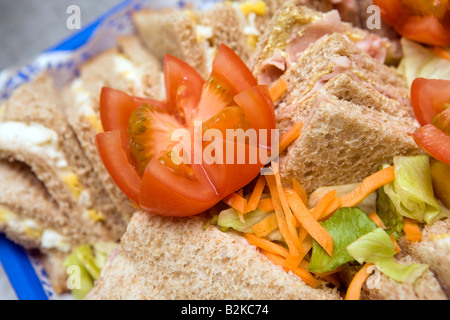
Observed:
{"x":387,"y":213}
{"x":376,"y":247}
{"x":229,"y":218}
{"x":411,"y":193}
{"x":419,"y":61}
{"x":368,"y":205}
{"x":345,"y":226}
{"x":88,"y":260}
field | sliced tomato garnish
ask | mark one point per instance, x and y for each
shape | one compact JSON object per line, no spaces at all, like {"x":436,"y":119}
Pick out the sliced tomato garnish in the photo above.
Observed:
{"x":115,"y":110}
{"x":428,"y":98}
{"x":423,"y":21}
{"x":183,"y":87}
{"x":433,"y":141}
{"x":115,"y":160}
{"x":428,"y":30}
{"x":168,"y":186}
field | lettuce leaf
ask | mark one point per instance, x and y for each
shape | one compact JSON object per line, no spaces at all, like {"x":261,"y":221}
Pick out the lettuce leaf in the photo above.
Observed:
{"x":419,"y":61}
{"x":376,"y":247}
{"x":345,"y":226}
{"x":387,"y":213}
{"x":412,"y":193}
{"x":229,"y":218}
{"x":368,"y":205}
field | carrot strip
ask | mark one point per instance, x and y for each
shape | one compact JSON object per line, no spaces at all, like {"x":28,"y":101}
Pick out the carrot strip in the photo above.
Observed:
{"x":237,"y":202}
{"x":281,"y":218}
{"x":303,"y":274}
{"x":266,"y":245}
{"x":354,"y":289}
{"x":289,"y":137}
{"x":277,"y":89}
{"x":252,"y":203}
{"x":411,"y":229}
{"x":367,"y":186}
{"x":439,"y":51}
{"x":265,"y":226}
{"x":315,"y":229}
{"x":333,"y":279}
{"x":300,"y":191}
{"x":334,"y":205}
{"x":375,"y":218}
{"x":290,"y":219}
{"x":323,"y":204}
{"x":266,"y":205}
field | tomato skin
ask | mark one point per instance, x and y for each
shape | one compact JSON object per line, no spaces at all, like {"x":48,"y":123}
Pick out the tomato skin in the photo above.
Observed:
{"x":224,"y":69}
{"x":115,"y":160}
{"x":115,"y":110}
{"x":165,"y":193}
{"x":183,"y":87}
{"x":433,"y":141}
{"x":426,"y":29}
{"x":428,"y":97}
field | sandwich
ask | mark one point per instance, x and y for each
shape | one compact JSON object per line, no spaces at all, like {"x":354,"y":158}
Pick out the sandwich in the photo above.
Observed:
{"x":34,"y":130}
{"x":195,"y":35}
{"x":30,"y":217}
{"x":352,"y":107}
{"x":129,"y":67}
{"x":157,"y":254}
{"x":294,"y":28}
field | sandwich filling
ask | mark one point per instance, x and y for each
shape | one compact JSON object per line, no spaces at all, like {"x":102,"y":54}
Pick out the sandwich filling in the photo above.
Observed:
{"x":47,"y":237}
{"x":43,"y":142}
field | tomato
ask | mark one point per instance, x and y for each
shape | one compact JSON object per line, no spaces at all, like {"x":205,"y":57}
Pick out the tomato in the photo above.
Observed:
{"x":115,"y":160}
{"x":423,"y":21}
{"x":115,"y":110}
{"x":433,"y":141}
{"x":428,"y":98}
{"x":139,"y":136}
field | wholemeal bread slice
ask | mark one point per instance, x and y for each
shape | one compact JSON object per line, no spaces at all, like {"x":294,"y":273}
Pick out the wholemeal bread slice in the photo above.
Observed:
{"x":433,"y":249}
{"x":191,"y":35}
{"x":32,"y":219}
{"x":341,"y":142}
{"x":129,"y":68}
{"x":35,"y":131}
{"x":170,"y":258}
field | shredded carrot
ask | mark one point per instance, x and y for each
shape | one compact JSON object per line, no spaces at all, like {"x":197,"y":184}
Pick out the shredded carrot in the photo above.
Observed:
{"x":324,"y":274}
{"x":236,"y":201}
{"x":442,"y":53}
{"x":265,"y":226}
{"x":266,"y":205}
{"x":335,"y":204}
{"x":323,"y":204}
{"x":367,"y":186}
{"x":375,"y":218}
{"x":315,"y":229}
{"x":289,"y":137}
{"x":277,"y":89}
{"x":266,"y":245}
{"x":290,"y":219}
{"x":303,"y":274}
{"x":300,"y":191}
{"x":256,"y":194}
{"x":281,"y":218}
{"x":354,"y":289}
{"x":411,"y":229}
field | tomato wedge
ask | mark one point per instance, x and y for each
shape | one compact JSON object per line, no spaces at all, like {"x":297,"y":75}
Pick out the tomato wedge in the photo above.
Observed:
{"x":433,"y":141}
{"x":142,"y":155}
{"x":115,"y":160}
{"x":426,"y":22}
{"x":428,"y":98}
{"x":115,"y":110}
